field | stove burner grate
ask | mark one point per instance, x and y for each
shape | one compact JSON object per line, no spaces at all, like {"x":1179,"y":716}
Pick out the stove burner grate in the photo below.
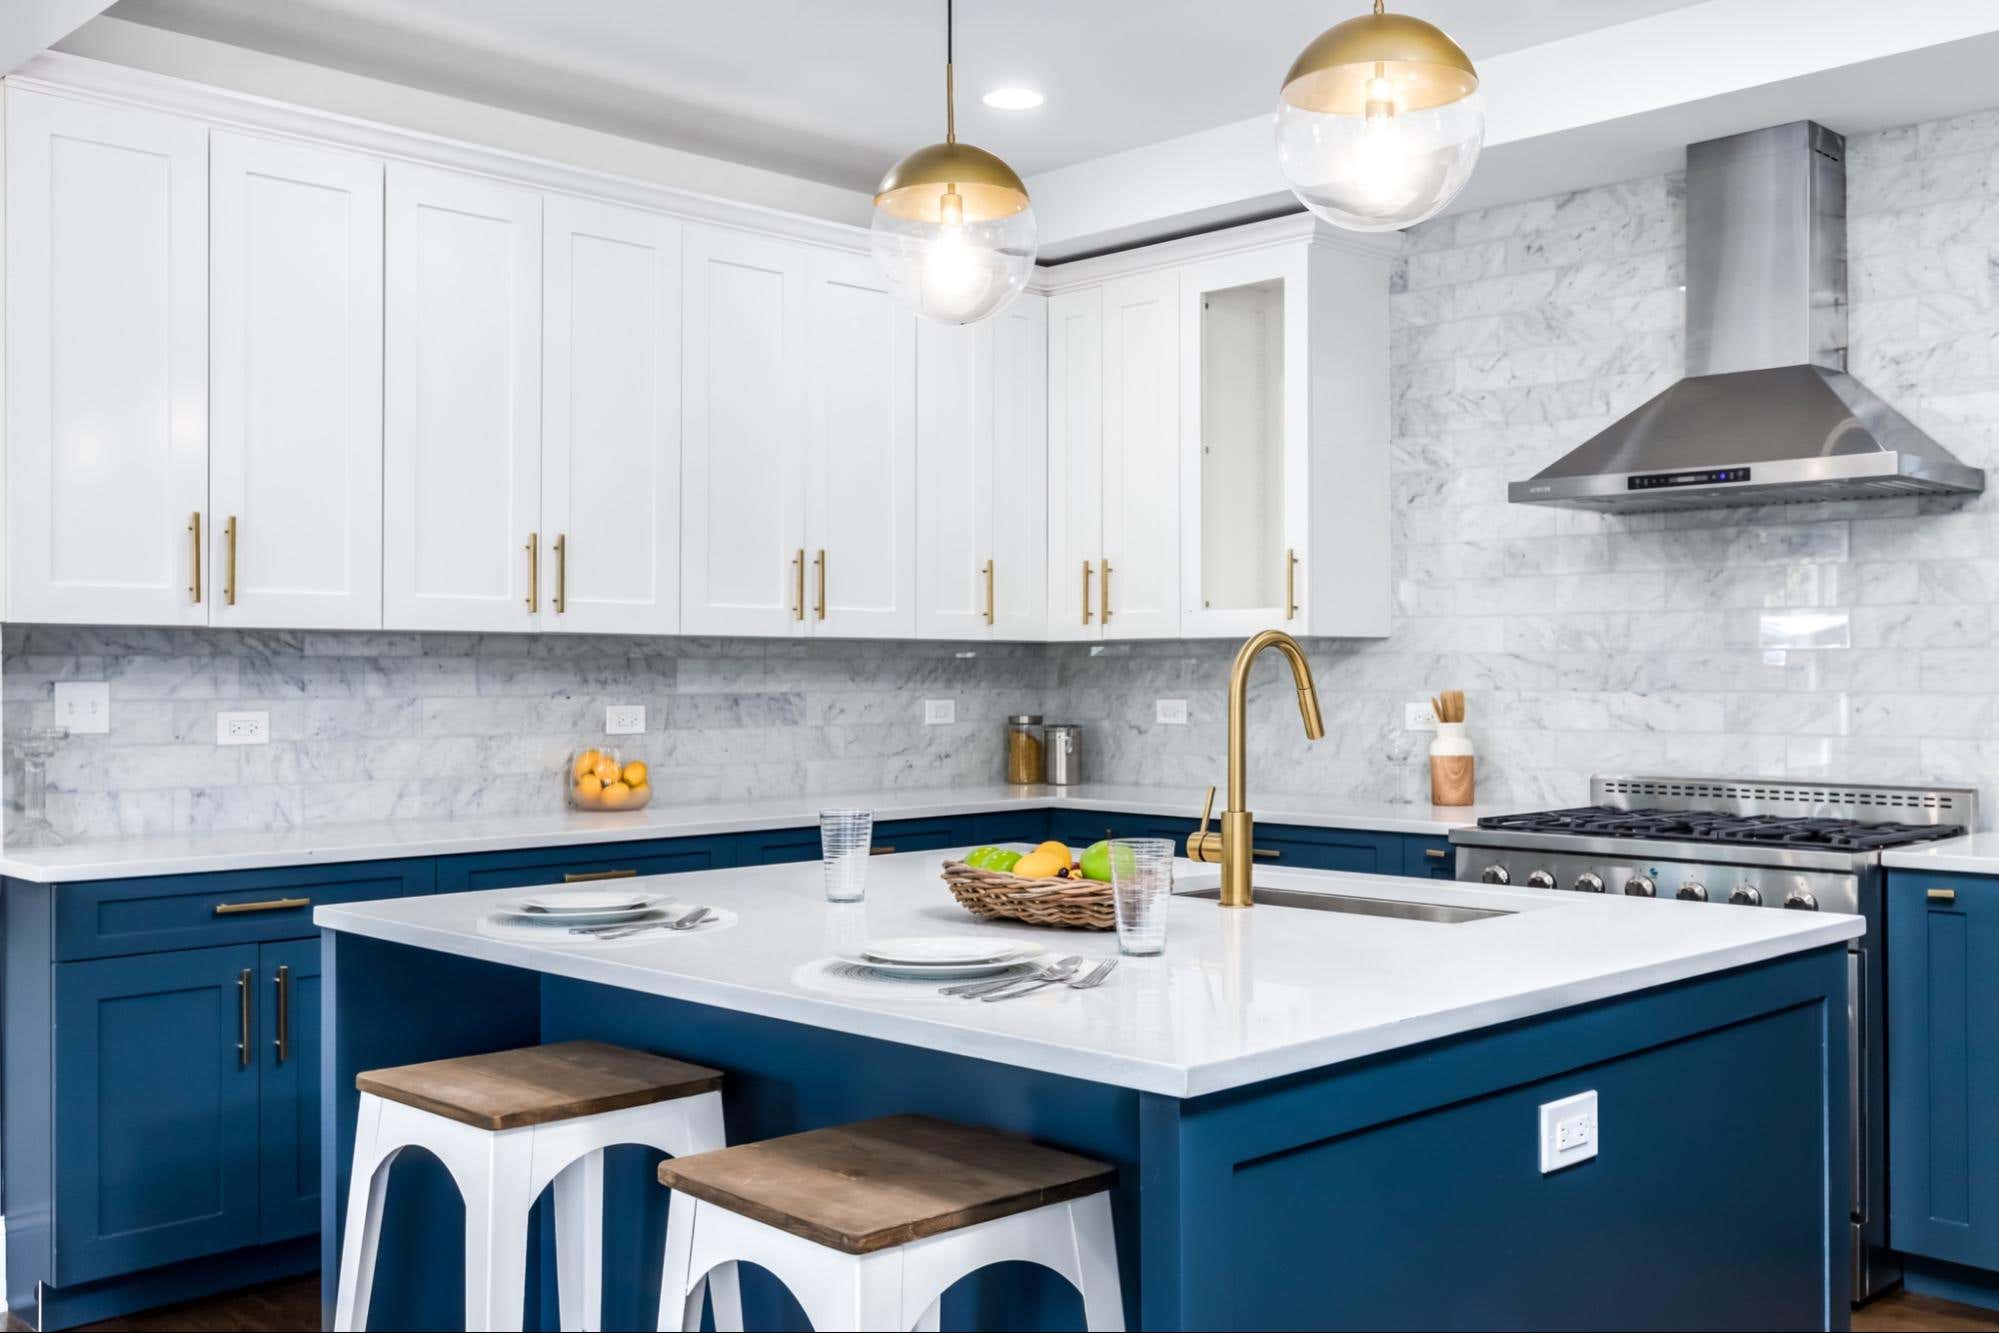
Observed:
{"x":1605,"y":821}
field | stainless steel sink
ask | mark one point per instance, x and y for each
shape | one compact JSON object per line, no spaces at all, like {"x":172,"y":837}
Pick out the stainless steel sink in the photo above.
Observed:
{"x":1436,"y":913}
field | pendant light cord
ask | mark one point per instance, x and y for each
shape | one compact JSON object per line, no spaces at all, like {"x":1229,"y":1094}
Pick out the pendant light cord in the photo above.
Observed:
{"x":950,"y":80}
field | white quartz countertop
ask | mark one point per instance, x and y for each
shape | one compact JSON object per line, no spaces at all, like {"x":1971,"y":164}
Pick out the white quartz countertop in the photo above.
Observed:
{"x":1238,"y":997}
{"x":384,"y":840}
{"x":1973,"y":854}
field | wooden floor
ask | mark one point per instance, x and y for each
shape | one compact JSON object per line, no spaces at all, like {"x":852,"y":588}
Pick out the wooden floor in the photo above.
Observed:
{"x":294,"y":1305}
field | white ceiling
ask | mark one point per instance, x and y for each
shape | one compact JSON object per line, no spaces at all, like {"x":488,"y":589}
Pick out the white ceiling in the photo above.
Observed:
{"x":835,"y":90}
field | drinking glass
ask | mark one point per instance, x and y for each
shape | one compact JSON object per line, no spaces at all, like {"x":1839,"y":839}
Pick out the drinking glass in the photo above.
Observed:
{"x":845,"y":839}
{"x":1141,"y":884}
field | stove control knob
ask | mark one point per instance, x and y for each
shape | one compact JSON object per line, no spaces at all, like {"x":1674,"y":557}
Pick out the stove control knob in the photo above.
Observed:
{"x":1641,"y":886}
{"x":1587,"y":882}
{"x":1746,"y":895}
{"x":1692,"y":892}
{"x":1801,"y":900}
{"x":1540,"y":879}
{"x":1495,"y":874}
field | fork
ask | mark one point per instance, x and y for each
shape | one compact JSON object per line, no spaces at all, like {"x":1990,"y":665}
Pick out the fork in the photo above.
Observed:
{"x":1089,"y":980}
{"x":687,"y":921}
{"x":1059,"y":970}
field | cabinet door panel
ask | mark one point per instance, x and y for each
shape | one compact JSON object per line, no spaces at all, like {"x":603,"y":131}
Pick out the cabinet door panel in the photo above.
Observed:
{"x":611,"y":419}
{"x":462,"y":440}
{"x":296,"y":457}
{"x":1141,"y":450}
{"x":107,"y":362}
{"x":156,"y":1111}
{"x":1075,"y":462}
{"x":861,"y":432}
{"x":1020,"y":514}
{"x":742,"y":516}
{"x":288,"y":1098}
{"x":955,"y":494}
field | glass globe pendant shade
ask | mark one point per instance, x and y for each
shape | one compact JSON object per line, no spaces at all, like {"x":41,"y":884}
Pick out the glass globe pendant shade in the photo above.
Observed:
{"x":953,"y":233}
{"x":1379,"y":123}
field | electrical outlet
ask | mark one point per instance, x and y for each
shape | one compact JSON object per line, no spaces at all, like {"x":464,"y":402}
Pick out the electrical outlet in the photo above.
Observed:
{"x":83,"y":707}
{"x":1419,"y":717}
{"x":243,"y":728}
{"x":624,"y":719}
{"x":1170,"y":712}
{"x":939,"y":712}
{"x":1568,"y":1131}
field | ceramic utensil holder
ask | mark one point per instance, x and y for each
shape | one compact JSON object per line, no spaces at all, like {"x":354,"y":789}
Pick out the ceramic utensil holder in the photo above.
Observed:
{"x":1452,"y":765}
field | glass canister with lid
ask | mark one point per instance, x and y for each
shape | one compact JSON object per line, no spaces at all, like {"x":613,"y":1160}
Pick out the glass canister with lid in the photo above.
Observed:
{"x":1023,"y":748}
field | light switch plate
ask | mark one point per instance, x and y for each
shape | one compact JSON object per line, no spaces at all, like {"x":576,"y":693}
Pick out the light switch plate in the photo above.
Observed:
{"x":624,"y":719}
{"x":1171,"y":712}
{"x":939,"y":712}
{"x":1569,"y":1131}
{"x":1419,"y":717}
{"x":243,"y":728}
{"x":83,"y":707}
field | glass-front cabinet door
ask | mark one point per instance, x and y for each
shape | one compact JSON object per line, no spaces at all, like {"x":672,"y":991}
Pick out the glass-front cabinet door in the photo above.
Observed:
{"x":1243,"y":442}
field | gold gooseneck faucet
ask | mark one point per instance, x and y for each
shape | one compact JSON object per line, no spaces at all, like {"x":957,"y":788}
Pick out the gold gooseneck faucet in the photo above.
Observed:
{"x":1235,"y":845}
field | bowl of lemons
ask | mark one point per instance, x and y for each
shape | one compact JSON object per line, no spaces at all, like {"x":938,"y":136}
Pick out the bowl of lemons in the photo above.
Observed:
{"x":603,"y":779}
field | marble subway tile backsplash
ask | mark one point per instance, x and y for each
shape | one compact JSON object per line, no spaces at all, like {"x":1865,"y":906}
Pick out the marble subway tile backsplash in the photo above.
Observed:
{"x":371,"y":726}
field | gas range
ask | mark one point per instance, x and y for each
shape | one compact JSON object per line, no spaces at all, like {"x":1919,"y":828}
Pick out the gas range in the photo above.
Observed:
{"x":1806,"y":846}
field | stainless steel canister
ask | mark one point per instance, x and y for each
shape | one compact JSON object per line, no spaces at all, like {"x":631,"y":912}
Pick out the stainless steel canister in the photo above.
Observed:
{"x":1065,"y":753}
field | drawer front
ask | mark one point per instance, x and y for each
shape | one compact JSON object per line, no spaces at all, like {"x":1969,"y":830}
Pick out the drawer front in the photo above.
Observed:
{"x":1428,"y":858}
{"x":1080,"y":828}
{"x":1010,"y":826}
{"x":105,"y":918}
{"x":560,"y":865}
{"x":777,"y":846}
{"x":1329,"y":849}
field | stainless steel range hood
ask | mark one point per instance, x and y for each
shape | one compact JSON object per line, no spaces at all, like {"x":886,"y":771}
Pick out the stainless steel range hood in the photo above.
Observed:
{"x":1767,"y":413}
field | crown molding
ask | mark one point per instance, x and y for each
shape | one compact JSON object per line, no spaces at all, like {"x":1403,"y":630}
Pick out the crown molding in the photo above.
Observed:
{"x":1292,"y":229}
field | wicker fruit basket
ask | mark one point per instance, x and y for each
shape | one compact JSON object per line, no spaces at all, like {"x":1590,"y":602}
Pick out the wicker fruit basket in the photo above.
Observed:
{"x":1078,"y":904}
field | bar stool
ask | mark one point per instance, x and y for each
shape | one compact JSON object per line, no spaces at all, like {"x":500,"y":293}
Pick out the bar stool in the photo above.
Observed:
{"x":868,"y":1224}
{"x":505,"y":1124}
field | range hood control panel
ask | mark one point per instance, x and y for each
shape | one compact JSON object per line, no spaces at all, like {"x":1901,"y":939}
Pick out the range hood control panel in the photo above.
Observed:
{"x":1714,"y":476}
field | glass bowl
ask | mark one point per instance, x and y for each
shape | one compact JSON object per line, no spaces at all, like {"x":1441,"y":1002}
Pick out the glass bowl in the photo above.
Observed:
{"x":600,"y":778}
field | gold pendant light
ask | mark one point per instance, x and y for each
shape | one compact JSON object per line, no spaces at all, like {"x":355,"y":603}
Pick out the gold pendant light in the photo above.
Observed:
{"x":1380,"y":122}
{"x":953,"y":231}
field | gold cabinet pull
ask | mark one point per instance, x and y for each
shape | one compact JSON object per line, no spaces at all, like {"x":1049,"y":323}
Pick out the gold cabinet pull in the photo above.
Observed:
{"x":534,"y":571}
{"x":1942,"y":895}
{"x":585,"y":876}
{"x":819,"y":607}
{"x":1104,"y":593}
{"x":267,"y":905}
{"x":882,"y":849}
{"x":284,"y":1038}
{"x":989,"y":592}
{"x":229,"y":540}
{"x":1436,"y":853}
{"x":243,"y":1019}
{"x":561,"y":572}
{"x":1265,"y":853}
{"x":194,"y":531}
{"x":1291,"y":585}
{"x":1086,"y":592}
{"x":798,"y":573}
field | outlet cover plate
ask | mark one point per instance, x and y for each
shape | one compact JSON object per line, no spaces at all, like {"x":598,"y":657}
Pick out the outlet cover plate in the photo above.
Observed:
{"x":1568,"y":1131}
{"x":243,"y":728}
{"x":1419,"y":717}
{"x":1170,"y":712}
{"x":939,"y":712}
{"x":83,"y":707}
{"x":624,"y":719}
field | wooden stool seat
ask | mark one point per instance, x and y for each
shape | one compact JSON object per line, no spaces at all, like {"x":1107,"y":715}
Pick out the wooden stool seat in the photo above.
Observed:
{"x":880,"y":1183}
{"x":538,"y":1085}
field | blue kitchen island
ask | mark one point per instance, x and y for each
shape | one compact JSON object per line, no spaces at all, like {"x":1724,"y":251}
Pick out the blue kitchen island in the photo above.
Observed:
{"x":1319,"y":1118}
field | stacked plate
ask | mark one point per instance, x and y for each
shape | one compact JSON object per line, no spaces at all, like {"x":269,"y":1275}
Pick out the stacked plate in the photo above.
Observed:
{"x":583,"y":907}
{"x":944,"y":957}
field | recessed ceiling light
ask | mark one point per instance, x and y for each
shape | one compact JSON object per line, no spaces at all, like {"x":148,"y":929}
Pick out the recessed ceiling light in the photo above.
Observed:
{"x":1013,"y":99}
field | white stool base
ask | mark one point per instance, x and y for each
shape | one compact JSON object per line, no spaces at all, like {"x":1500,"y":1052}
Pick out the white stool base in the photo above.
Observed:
{"x":897,"y":1288}
{"x":500,"y":1174}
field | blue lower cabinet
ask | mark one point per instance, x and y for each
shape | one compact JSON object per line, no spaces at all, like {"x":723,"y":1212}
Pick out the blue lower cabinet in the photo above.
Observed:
{"x":559,"y":865}
{"x":771,"y":847}
{"x":1330,"y":849}
{"x":156,"y":1110}
{"x":1428,"y":858}
{"x":1080,"y":828}
{"x":777,"y":846}
{"x":1943,"y":1067}
{"x":287,"y":1031}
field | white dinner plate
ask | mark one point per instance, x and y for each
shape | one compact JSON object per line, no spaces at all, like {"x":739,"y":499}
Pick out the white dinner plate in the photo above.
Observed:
{"x":584,"y":902}
{"x":946,"y":971}
{"x":956,"y":950}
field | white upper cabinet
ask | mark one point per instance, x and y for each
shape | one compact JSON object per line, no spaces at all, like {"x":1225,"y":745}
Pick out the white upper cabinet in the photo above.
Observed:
{"x":295,"y":456}
{"x":610,"y":475}
{"x":982,"y":476}
{"x":1075,"y":462}
{"x":107,"y":363}
{"x":860,"y":511}
{"x":462,"y":422}
{"x":743,"y":559}
{"x":1139,"y":579}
